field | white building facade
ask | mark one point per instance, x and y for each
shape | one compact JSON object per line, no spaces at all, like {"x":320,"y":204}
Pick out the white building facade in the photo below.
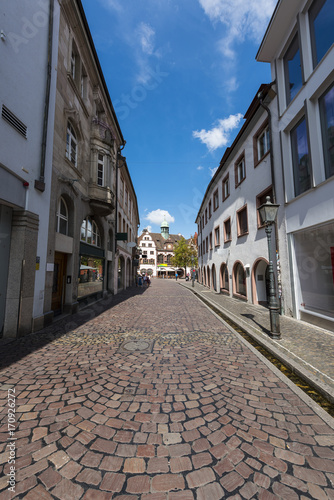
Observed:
{"x":28,"y":90}
{"x":232,"y":243}
{"x":299,"y":46}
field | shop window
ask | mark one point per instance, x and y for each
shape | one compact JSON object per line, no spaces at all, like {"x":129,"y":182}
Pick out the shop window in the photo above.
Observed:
{"x":321,"y":16}
{"x":62,"y":217}
{"x":227,"y":230}
{"x":90,"y":275}
{"x":326,"y":104}
{"x":90,"y":233}
{"x":292,"y":70}
{"x":242,"y":221}
{"x":226,"y":187}
{"x":300,"y":158}
{"x":240,"y":280}
{"x":71,"y":145}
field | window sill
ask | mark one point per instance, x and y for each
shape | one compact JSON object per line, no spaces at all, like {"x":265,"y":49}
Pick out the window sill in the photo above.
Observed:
{"x":240,"y":297}
{"x":242,"y":234}
{"x":257,"y":162}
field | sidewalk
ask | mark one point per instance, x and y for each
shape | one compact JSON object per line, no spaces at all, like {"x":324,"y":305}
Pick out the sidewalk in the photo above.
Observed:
{"x":306,"y":349}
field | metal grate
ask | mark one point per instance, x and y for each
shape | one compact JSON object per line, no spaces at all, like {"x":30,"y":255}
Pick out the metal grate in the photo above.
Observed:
{"x":14,"y":121}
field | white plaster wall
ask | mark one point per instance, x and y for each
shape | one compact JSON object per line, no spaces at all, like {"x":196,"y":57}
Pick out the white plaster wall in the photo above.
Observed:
{"x":23,"y":72}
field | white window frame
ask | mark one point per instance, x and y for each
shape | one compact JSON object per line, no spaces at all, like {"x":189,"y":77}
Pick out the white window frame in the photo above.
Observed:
{"x":100,"y":169}
{"x":71,"y":145}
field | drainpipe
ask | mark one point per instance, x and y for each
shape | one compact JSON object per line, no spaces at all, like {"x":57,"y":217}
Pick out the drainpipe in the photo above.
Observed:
{"x":40,"y":183}
{"x":118,"y":158}
{"x":273,"y":181}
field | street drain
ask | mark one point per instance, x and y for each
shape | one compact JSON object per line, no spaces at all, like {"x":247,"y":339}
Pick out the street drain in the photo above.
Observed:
{"x":136,"y":346}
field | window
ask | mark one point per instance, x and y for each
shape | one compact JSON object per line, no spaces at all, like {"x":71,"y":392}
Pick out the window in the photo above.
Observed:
{"x":240,"y":280}
{"x":100,"y":169}
{"x":262,"y":143}
{"x":226,"y":187}
{"x":207,"y":244}
{"x":90,"y":232}
{"x":321,"y":16}
{"x":121,"y":191}
{"x":292,"y":70}
{"x":300,"y":158}
{"x":215,"y":200}
{"x":206,"y":216}
{"x":74,"y":65}
{"x":260,"y":200}
{"x":152,"y":252}
{"x":240,"y":171}
{"x":71,"y":145}
{"x":210,"y":240}
{"x":83,"y":83}
{"x":217,"y":236}
{"x":242,"y":221}
{"x":210,"y":209}
{"x":202,"y":221}
{"x":227,"y":230}
{"x":160,"y":258}
{"x":169,"y":259}
{"x":62,"y":217}
{"x":149,"y":244}
{"x":326,"y":104}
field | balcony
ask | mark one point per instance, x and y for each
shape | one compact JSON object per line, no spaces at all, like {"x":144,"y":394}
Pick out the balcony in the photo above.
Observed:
{"x":148,"y":261}
{"x":101,"y":200}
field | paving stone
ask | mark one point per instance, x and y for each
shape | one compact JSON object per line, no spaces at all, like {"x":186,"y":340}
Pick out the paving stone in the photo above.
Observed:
{"x":167,"y":482}
{"x":200,"y":477}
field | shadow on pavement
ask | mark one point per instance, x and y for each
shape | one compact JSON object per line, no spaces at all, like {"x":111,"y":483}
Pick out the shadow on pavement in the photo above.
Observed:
{"x":17,"y":349}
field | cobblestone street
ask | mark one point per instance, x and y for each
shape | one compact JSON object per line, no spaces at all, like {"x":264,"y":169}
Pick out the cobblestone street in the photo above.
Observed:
{"x":155,"y":399}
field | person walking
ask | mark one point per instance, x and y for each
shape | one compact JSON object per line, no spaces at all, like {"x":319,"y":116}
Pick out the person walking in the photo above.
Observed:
{"x":176,"y":276}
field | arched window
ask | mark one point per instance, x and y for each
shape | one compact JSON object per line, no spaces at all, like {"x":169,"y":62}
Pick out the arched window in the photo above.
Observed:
{"x":160,"y":258}
{"x":62,"y":217}
{"x":90,"y":232}
{"x":240,"y":279}
{"x":71,"y":145}
{"x":169,"y":259}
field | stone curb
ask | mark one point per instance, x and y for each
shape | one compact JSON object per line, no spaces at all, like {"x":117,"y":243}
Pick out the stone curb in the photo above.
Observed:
{"x":295,"y":366}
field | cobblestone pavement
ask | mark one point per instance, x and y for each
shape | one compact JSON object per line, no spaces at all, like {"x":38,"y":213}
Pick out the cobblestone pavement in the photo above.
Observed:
{"x":309,"y":348}
{"x":155,"y":399}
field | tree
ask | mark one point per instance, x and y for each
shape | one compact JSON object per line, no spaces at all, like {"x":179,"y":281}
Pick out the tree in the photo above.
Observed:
{"x":184,"y":255}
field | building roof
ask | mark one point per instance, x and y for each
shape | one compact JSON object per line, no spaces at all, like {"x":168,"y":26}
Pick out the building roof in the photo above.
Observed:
{"x":160,"y":241}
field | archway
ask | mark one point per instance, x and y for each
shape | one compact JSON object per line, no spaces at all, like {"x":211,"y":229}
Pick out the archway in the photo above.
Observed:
{"x":259,"y":282}
{"x":224,"y":278}
{"x":239,"y":280}
{"x":214,"y":279}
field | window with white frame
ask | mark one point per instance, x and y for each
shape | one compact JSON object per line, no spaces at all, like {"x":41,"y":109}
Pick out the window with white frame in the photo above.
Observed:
{"x":301,"y":162}
{"x":226,"y":187}
{"x":62,"y":217}
{"x":100,"y":169}
{"x":240,"y":171}
{"x":90,"y":232}
{"x":292,"y":70}
{"x":215,"y":200}
{"x":217,"y":236}
{"x":321,"y":19}
{"x":71,"y":145}
{"x":242,"y":221}
{"x":227,"y":230}
{"x":326,"y":103}
{"x":263,"y":143}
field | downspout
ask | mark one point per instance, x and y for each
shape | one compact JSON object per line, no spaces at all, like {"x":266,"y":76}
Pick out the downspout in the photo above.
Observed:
{"x":40,"y":183}
{"x":273,"y":182}
{"x":118,"y":158}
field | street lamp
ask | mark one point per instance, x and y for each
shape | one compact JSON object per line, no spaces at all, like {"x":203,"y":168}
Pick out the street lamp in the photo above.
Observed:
{"x":268,"y":212}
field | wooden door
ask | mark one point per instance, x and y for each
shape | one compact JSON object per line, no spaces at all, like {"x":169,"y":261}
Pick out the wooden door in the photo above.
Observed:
{"x":58,"y":287}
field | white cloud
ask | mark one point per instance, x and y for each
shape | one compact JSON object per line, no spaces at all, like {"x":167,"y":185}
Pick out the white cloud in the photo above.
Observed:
{"x":157,"y":217}
{"x":146,"y":36}
{"x":219,"y":135}
{"x":213,"y":171}
{"x":111,"y":4}
{"x":199,"y":167}
{"x":244,"y":19}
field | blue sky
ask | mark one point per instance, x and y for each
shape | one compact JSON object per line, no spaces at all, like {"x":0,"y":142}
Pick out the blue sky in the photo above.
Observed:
{"x":181,"y":74}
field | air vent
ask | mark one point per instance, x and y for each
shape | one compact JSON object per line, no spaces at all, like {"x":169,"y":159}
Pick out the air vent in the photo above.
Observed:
{"x":14,"y":121}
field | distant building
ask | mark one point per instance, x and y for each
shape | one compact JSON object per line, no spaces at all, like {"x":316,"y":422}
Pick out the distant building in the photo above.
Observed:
{"x":157,"y":250}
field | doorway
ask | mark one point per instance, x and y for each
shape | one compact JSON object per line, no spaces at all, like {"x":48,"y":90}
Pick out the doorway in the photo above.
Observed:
{"x":58,"y":287}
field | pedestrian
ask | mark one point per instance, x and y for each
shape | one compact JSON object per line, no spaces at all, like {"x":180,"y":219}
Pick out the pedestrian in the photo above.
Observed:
{"x":145,"y":280}
{"x":176,"y":276}
{"x":148,"y":281}
{"x":140,"y":281}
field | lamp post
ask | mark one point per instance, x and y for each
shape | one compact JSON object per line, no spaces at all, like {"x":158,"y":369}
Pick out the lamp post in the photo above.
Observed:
{"x":268,"y":212}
